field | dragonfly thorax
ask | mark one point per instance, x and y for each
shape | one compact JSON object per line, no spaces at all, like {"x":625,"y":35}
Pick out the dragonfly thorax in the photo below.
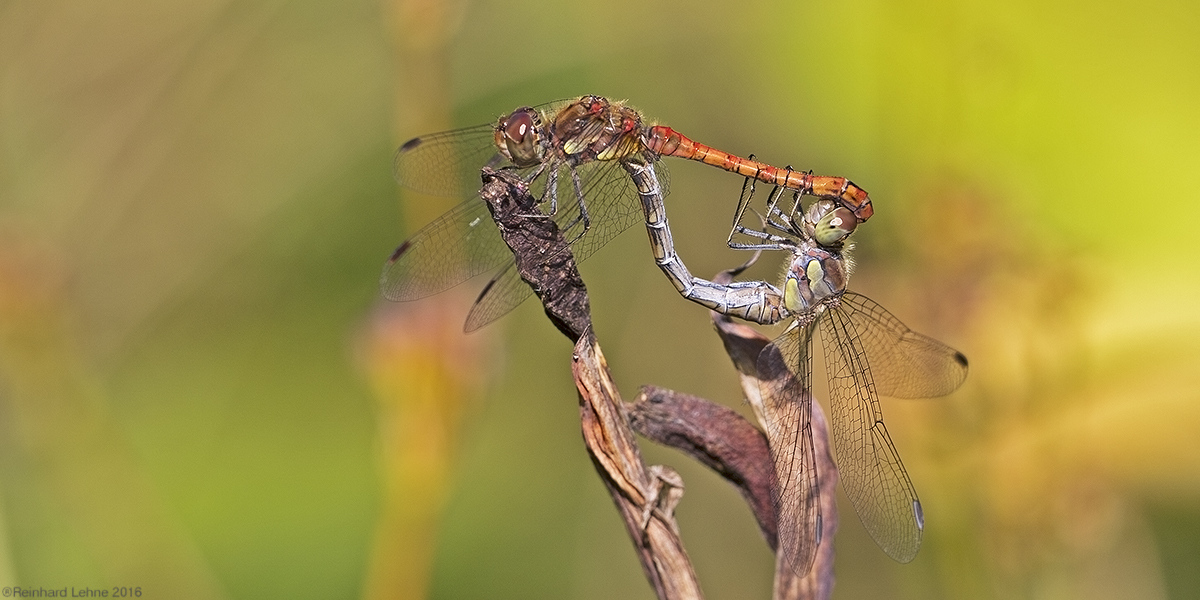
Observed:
{"x":820,"y":268}
{"x":595,"y":128}
{"x":815,"y":276}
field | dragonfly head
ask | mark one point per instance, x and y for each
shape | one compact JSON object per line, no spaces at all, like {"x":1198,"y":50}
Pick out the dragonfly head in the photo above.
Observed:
{"x":517,"y":137}
{"x":832,"y":229}
{"x":815,"y":275}
{"x":828,"y":224}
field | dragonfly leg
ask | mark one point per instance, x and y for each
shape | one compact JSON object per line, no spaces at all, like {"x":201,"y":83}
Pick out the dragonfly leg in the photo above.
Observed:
{"x":552,"y":189}
{"x":756,"y":301}
{"x":784,"y":221}
{"x":776,"y":194}
{"x":772,"y":246}
{"x":583,"y":213}
{"x":743,"y":203}
{"x":771,"y":242}
{"x":777,"y":218}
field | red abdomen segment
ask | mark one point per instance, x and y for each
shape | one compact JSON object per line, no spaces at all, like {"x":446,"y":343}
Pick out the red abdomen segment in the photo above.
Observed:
{"x":667,"y":142}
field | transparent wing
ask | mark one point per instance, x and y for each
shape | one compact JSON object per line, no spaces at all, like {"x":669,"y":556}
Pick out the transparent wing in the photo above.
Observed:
{"x":501,"y":295}
{"x":905,"y":364}
{"x":463,"y":243}
{"x":868,"y":464}
{"x":447,"y":163}
{"x":457,"y":246}
{"x":612,"y":205}
{"x":785,"y":378}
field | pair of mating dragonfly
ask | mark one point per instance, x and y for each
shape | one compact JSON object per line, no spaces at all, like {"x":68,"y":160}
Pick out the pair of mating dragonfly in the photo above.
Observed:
{"x":591,"y":162}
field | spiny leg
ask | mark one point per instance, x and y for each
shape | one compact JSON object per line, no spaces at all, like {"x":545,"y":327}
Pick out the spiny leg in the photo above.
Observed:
{"x":784,"y":224}
{"x":748,"y":188}
{"x":773,"y":242}
{"x":582,"y":217}
{"x":777,"y":193}
{"x":743,"y":203}
{"x":782,"y":221}
{"x":583,"y":213}
{"x":552,"y":189}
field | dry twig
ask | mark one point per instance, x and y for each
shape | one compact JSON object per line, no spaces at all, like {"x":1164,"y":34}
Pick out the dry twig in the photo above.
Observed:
{"x":645,"y":496}
{"x":721,"y":439}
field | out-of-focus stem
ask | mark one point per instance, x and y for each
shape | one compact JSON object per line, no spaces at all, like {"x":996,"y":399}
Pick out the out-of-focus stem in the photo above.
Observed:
{"x":423,"y":369}
{"x":59,"y":441}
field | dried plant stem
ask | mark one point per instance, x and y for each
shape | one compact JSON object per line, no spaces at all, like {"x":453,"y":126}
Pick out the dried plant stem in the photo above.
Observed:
{"x":719,"y":438}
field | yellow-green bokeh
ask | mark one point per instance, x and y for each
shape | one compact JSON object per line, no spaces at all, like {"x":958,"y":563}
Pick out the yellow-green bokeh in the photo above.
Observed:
{"x":196,"y":199}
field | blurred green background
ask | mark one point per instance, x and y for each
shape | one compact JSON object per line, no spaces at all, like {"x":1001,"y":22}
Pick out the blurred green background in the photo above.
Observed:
{"x":201,"y":393}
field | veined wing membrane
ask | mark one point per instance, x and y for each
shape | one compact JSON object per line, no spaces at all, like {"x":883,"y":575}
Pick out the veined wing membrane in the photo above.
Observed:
{"x":612,"y":204}
{"x":904,"y":363}
{"x":868,"y":464}
{"x":613,"y":207}
{"x":464,"y":242}
{"x":502,"y":293}
{"x":447,"y":163}
{"x":457,"y":246}
{"x":785,"y":377}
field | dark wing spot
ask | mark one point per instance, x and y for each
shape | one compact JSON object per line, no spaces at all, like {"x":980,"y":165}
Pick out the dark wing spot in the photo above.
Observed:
{"x":961,"y":358}
{"x":400,"y":250}
{"x":410,"y":144}
{"x":485,"y":290}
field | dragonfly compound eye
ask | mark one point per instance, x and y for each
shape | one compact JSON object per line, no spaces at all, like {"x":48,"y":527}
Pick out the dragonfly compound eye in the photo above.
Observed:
{"x":835,"y":226}
{"x":520,"y":138}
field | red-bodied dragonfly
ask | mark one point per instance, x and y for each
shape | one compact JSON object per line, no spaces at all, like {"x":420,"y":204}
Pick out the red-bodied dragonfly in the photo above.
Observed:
{"x":868,"y":352}
{"x":568,"y":152}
